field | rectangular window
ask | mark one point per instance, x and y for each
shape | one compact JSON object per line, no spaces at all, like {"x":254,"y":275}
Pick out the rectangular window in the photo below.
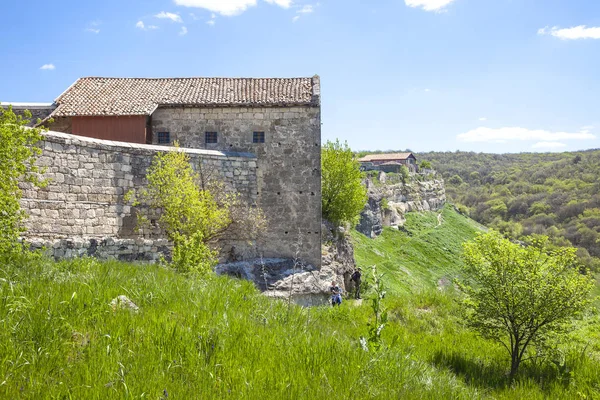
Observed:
{"x":210,"y":137}
{"x":258,"y":137}
{"x":164,"y":138}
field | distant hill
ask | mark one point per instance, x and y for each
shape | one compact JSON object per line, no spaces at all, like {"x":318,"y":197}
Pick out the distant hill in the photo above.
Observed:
{"x":554,"y":194}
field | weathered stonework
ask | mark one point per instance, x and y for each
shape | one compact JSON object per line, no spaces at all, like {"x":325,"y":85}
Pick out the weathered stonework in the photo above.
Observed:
{"x":400,"y":198}
{"x":288,"y":165}
{"x":84,"y":204}
{"x":37,"y":110}
{"x":281,"y":175}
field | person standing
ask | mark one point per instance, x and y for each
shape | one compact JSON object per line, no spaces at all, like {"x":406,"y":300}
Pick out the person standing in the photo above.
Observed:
{"x":336,"y":294}
{"x":357,"y":279}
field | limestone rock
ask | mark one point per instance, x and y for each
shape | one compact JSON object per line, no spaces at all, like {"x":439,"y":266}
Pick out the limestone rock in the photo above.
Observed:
{"x":400,"y":198}
{"x":301,"y":283}
{"x":123,"y":302}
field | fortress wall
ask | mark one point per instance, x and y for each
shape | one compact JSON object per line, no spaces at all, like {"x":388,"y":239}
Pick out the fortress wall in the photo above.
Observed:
{"x":83,"y":211}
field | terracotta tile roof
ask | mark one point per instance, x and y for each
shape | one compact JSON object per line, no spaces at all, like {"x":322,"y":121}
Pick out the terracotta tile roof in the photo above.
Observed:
{"x":386,"y":157}
{"x":141,"y":96}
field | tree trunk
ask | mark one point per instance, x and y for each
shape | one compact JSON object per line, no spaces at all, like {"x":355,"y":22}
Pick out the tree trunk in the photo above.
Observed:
{"x":515,"y":360}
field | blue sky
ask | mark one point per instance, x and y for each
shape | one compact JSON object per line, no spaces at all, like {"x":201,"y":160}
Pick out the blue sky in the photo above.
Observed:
{"x":481,"y":75}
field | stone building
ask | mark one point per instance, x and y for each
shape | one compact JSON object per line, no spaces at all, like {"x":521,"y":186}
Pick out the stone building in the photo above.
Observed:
{"x":388,"y":162}
{"x":272,"y":126}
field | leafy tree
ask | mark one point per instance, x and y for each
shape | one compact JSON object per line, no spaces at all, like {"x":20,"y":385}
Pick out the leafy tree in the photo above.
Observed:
{"x":190,"y":216}
{"x":404,"y":174}
{"x":518,"y":295}
{"x":425,"y":165}
{"x":17,"y":157}
{"x":343,"y":194}
{"x":455,"y":180}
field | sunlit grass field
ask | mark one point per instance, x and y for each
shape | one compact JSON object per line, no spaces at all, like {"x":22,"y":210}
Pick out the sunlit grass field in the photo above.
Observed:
{"x":219,"y":338}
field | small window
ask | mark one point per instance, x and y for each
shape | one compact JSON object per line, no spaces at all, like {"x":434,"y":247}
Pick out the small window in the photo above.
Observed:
{"x":164,"y":138}
{"x":258,"y":137}
{"x":210,"y":137}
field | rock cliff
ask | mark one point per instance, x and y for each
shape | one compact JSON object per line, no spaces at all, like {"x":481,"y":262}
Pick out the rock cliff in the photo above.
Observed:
{"x":390,"y":199}
{"x":302,"y":284}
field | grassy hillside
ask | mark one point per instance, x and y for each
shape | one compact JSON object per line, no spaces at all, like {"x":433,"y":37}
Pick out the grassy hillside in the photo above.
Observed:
{"x":421,"y":256}
{"x":555,"y":194}
{"x":221,"y":339}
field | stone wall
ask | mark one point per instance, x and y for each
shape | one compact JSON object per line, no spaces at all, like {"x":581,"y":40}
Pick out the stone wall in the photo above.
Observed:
{"x":389,"y":201}
{"x":84,"y":199}
{"x":289,"y":165}
{"x":37,"y":111}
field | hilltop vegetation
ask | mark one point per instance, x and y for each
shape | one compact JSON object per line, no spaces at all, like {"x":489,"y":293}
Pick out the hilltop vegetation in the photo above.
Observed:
{"x":554,"y":194}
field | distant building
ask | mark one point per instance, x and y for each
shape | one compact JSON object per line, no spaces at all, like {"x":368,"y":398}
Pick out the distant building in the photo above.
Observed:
{"x":390,"y":162}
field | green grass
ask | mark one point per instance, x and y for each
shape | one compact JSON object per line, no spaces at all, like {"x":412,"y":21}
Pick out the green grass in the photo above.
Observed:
{"x":221,"y":339}
{"x":218,"y":338}
{"x":422,"y":253}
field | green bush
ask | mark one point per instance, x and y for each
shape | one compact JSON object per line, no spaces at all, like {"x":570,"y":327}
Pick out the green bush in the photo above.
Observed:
{"x":343,"y":194}
{"x":17,"y":157}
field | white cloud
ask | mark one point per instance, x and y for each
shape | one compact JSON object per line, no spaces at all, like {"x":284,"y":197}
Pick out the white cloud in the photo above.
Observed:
{"x":168,"y":15}
{"x":483,"y":119}
{"x":578,"y":32}
{"x":281,"y":3}
{"x":48,"y":67}
{"x":296,"y":18}
{"x":229,"y":7}
{"x":548,"y":145}
{"x":502,"y":135}
{"x":93,"y":27}
{"x":428,"y":90}
{"x":142,"y":26}
{"x":307,"y":9}
{"x":212,"y":21}
{"x":429,"y":5}
{"x":183,"y":31}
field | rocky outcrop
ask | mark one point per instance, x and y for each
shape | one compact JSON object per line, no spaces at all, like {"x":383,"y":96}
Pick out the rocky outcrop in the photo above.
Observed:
{"x":302,"y":284}
{"x":389,"y":200}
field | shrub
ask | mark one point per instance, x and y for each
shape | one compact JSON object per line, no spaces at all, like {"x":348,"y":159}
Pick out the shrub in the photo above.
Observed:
{"x":17,"y":157}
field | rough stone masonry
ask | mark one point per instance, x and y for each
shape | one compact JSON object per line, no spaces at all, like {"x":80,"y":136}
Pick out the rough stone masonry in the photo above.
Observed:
{"x":262,"y":135}
{"x":82,"y":210}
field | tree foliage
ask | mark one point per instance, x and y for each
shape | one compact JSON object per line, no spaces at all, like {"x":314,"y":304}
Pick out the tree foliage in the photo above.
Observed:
{"x":519,"y":296}
{"x":343,"y":194}
{"x":552,"y":194}
{"x":17,"y":157}
{"x":193,"y":208}
{"x":425,"y":165}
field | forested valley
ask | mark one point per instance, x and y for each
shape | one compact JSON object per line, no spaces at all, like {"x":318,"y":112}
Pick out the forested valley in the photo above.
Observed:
{"x":553,"y":194}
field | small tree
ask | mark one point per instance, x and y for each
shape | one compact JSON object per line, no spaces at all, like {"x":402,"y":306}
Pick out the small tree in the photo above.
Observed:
{"x":404,"y":174}
{"x":519,"y":295}
{"x":190,"y":216}
{"x":17,"y":157}
{"x":343,"y":194}
{"x":425,"y":165}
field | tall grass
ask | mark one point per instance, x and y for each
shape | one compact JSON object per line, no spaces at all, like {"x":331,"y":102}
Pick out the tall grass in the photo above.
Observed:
{"x":217,"y":338}
{"x":221,"y":339}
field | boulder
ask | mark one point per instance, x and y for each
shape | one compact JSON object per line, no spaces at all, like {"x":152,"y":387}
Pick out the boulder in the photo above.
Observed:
{"x":123,"y":302}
